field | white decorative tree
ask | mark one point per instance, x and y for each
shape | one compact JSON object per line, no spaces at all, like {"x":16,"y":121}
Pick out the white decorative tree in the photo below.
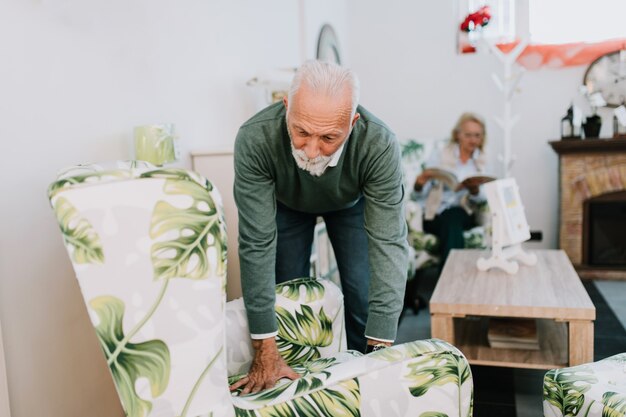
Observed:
{"x":508,"y":86}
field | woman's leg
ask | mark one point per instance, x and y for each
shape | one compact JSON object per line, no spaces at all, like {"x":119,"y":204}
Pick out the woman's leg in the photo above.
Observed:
{"x":449,"y":227}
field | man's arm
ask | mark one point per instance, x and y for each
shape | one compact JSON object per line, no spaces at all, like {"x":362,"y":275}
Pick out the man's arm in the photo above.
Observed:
{"x":387,"y":241}
{"x":254,"y":195}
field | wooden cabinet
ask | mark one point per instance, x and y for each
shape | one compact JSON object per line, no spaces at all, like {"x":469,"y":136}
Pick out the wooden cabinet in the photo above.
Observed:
{"x":218,"y":167}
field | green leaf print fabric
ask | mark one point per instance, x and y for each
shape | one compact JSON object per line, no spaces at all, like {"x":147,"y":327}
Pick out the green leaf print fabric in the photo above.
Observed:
{"x":132,"y":232}
{"x":129,"y":361}
{"x":78,"y":234}
{"x":596,"y":389}
{"x":196,"y":228}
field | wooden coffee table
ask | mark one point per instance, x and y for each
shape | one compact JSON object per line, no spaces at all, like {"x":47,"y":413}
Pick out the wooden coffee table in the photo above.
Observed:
{"x":550,"y":291}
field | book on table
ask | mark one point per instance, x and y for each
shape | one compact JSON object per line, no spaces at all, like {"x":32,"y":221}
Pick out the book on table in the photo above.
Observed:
{"x":450,"y":179}
{"x":513,"y":333}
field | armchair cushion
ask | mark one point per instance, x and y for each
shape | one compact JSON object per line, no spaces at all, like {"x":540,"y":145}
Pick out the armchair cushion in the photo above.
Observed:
{"x":421,"y":378}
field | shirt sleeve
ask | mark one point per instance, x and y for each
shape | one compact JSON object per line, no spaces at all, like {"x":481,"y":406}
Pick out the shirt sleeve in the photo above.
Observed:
{"x":386,"y":229}
{"x":256,"y":205}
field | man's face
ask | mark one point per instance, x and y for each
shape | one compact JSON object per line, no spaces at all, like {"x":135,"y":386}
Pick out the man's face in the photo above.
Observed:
{"x":318,"y":125}
{"x":470,"y":137}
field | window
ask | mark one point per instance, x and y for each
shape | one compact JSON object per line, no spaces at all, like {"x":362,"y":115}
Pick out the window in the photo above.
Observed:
{"x":569,"y":21}
{"x":560,"y":33}
{"x":501,"y":27}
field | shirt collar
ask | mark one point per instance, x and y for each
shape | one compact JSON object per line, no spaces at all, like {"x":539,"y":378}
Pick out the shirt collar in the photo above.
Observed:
{"x":335,"y":160}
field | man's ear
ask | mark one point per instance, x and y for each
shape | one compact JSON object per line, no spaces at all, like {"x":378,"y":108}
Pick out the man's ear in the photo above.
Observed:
{"x":356,"y":117}
{"x":286,"y":103}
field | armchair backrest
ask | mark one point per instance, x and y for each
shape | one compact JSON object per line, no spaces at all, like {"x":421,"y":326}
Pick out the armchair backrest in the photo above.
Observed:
{"x":148,"y":247}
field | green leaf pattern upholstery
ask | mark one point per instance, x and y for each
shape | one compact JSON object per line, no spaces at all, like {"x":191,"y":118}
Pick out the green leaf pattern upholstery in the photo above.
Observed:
{"x":595,"y":389}
{"x":148,"y":247}
{"x":297,"y":301}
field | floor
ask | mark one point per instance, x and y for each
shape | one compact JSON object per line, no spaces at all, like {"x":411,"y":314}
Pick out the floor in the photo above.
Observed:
{"x":505,"y":392}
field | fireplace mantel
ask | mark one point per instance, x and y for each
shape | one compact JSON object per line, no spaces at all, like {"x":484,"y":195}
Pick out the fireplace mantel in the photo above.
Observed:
{"x":588,"y":168}
{"x":568,"y":146}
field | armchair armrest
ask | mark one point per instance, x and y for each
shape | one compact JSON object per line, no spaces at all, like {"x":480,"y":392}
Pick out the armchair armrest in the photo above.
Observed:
{"x":426,"y":377}
{"x":591,"y":389}
{"x":310,"y":324}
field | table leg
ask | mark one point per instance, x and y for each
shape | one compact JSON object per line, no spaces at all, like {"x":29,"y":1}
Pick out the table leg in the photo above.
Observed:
{"x":580,"y":342}
{"x":442,"y":327}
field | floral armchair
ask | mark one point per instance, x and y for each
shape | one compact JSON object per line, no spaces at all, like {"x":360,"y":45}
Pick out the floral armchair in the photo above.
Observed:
{"x":424,"y":246}
{"x":148,"y":247}
{"x":595,"y":389}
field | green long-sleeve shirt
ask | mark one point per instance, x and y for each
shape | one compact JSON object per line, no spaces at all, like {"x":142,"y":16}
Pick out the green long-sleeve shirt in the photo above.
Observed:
{"x":266,"y":172}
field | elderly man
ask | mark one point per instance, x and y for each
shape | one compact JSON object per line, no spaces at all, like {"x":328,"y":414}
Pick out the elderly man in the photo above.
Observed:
{"x":318,"y":154}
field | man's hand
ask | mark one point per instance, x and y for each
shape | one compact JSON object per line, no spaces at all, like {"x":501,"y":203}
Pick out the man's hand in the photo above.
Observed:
{"x":372,"y":342}
{"x":267,"y":368}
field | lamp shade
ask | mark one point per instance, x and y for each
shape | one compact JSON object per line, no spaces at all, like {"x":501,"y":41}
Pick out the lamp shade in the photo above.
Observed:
{"x":156,"y":144}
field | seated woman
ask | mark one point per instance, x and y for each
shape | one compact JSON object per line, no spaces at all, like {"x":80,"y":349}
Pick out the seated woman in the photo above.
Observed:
{"x":447,"y":212}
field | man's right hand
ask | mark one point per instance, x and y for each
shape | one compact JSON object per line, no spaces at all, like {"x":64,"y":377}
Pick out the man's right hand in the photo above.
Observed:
{"x":267,"y":368}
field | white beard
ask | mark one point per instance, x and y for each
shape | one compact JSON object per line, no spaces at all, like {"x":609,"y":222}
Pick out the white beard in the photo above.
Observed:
{"x":314,"y":166}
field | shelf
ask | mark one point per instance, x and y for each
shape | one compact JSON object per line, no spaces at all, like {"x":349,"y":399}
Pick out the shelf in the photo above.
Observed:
{"x":471,"y":339}
{"x":589,"y":145}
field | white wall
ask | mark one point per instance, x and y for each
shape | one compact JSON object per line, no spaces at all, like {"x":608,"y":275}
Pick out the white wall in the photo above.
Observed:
{"x":76,"y":76}
{"x":413,"y":79}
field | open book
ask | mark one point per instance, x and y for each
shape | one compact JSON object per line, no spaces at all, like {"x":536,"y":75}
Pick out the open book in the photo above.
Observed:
{"x":451,"y":181}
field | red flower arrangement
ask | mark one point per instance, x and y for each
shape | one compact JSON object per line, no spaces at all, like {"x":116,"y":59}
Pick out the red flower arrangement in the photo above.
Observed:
{"x":479,"y":18}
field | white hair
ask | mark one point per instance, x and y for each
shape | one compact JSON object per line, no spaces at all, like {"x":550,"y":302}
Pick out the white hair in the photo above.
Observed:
{"x":326,"y":77}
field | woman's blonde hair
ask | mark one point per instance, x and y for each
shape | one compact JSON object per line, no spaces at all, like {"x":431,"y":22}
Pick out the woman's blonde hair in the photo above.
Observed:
{"x":469,"y":117}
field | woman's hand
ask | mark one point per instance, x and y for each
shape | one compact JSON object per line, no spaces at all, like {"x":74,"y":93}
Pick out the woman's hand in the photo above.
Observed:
{"x":421,"y":180}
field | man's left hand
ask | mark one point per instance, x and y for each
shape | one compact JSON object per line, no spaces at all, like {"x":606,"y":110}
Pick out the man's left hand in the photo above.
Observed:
{"x":266,"y":369}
